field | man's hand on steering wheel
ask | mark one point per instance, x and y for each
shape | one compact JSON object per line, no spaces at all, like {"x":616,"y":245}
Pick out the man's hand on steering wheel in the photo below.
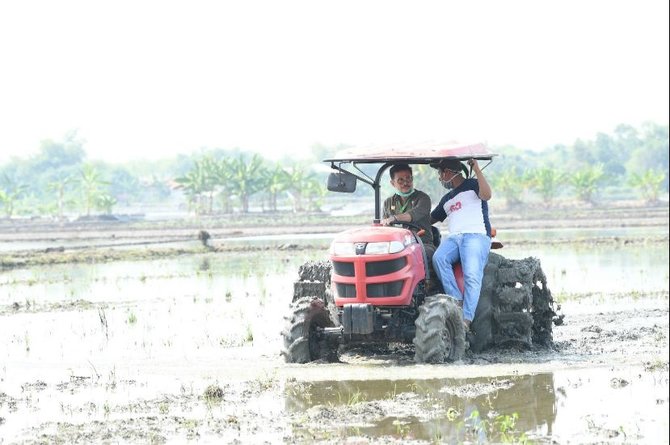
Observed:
{"x":393,"y":219}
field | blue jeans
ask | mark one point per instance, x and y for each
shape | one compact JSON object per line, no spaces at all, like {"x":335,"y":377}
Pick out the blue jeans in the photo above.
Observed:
{"x":472,"y":250}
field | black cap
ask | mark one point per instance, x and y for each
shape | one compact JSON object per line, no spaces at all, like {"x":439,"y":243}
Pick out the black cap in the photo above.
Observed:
{"x":449,"y":164}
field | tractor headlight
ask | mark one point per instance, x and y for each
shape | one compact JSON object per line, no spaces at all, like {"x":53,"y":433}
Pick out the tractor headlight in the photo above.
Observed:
{"x":343,"y":249}
{"x":385,"y":247}
{"x":351,"y":249}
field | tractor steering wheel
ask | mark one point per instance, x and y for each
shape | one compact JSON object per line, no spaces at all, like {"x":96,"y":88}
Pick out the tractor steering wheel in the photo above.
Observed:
{"x":417,"y":230}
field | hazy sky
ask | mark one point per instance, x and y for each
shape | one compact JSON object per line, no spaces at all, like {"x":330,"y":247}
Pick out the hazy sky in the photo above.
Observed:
{"x":149,"y":79}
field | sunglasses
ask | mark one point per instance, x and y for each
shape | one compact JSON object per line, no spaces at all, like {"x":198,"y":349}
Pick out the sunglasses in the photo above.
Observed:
{"x":404,"y":181}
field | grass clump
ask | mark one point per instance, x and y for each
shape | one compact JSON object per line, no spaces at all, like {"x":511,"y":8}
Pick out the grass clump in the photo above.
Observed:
{"x":213,"y":393}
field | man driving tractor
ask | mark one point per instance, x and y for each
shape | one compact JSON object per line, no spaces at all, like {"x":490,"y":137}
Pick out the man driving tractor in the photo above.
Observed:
{"x":409,"y":205}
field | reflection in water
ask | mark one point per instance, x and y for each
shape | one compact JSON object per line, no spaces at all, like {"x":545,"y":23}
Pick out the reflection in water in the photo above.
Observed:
{"x":595,"y":405}
{"x":453,"y":410}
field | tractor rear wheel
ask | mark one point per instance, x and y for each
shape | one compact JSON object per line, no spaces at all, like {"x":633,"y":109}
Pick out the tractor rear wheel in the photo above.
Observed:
{"x":440,"y":334}
{"x":515,"y":306}
{"x":303,"y":342}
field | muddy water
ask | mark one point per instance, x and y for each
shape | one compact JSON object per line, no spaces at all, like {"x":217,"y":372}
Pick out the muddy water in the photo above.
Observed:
{"x":85,"y":349}
{"x":568,"y":405}
{"x":599,"y":268}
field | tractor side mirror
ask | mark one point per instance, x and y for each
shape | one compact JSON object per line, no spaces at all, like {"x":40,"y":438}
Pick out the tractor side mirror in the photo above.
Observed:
{"x":342,"y":182}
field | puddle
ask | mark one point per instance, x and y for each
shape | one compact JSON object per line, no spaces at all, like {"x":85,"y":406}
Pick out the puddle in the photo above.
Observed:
{"x":625,"y":405}
{"x":568,"y":233}
{"x":599,"y":269}
{"x":596,"y":405}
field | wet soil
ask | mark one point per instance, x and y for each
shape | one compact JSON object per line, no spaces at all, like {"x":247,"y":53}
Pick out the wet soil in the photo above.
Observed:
{"x":242,"y":397}
{"x":247,"y":394}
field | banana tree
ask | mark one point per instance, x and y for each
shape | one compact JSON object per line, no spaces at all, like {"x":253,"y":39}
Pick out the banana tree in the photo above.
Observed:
{"x":197,"y":182}
{"x":222,"y":177}
{"x":209,"y":168}
{"x":511,"y":185}
{"x":60,"y":187}
{"x":315,"y":192}
{"x":300,"y":182}
{"x":648,"y":183}
{"x":545,"y":181}
{"x":91,"y":182}
{"x":585,"y":182}
{"x":278,"y":180}
{"x":247,"y":178}
{"x":10,"y":195}
{"x":106,"y":203}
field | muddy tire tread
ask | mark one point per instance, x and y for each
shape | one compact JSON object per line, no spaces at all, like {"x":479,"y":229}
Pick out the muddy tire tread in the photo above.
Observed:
{"x":440,"y":336}
{"x":515,"y":306}
{"x":296,"y":345}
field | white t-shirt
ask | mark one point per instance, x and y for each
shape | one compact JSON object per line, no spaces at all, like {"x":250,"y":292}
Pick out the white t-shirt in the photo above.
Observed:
{"x":464,"y":211}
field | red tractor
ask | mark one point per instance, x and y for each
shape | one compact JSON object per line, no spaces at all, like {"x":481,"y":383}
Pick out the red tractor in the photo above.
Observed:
{"x":373,"y":290}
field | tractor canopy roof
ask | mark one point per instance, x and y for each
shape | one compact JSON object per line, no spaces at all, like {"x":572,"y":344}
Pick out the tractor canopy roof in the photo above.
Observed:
{"x":422,"y":153}
{"x":347,"y":162}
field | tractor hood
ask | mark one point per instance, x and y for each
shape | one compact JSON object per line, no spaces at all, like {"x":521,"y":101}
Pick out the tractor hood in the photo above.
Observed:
{"x":361,"y":240}
{"x":374,"y":233}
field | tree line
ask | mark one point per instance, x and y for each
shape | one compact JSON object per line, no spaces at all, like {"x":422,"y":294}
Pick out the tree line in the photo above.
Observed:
{"x":629,"y":163}
{"x":224,"y":179}
{"x":59,"y":181}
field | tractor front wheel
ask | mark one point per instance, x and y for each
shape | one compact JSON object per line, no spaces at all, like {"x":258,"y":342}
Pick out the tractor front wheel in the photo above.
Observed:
{"x":303,"y":342}
{"x":440,"y":334}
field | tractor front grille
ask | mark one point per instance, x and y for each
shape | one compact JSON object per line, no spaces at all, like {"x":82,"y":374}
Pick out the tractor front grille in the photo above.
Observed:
{"x":346,"y":290}
{"x":390,"y":274}
{"x":390,"y":289}
{"x":377,"y":268}
{"x":344,"y":268}
{"x":372,"y":268}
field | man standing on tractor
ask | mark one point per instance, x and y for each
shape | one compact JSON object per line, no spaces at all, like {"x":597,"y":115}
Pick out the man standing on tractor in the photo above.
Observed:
{"x":466,"y":210}
{"x":409,"y":205}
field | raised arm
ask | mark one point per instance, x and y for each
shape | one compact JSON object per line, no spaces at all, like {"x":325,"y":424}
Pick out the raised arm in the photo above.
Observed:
{"x":484,"y":187}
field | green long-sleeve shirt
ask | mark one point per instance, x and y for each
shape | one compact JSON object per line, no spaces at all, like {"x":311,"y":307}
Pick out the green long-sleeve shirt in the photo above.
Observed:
{"x":418,"y":206}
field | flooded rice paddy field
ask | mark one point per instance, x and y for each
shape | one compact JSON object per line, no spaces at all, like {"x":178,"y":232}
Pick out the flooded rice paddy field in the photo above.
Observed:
{"x":186,"y":349}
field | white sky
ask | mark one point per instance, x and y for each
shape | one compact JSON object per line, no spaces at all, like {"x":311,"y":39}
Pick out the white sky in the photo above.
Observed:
{"x":149,"y":79}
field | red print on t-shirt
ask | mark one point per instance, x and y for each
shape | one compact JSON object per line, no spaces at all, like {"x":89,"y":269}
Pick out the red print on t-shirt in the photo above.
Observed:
{"x":455,"y":207}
